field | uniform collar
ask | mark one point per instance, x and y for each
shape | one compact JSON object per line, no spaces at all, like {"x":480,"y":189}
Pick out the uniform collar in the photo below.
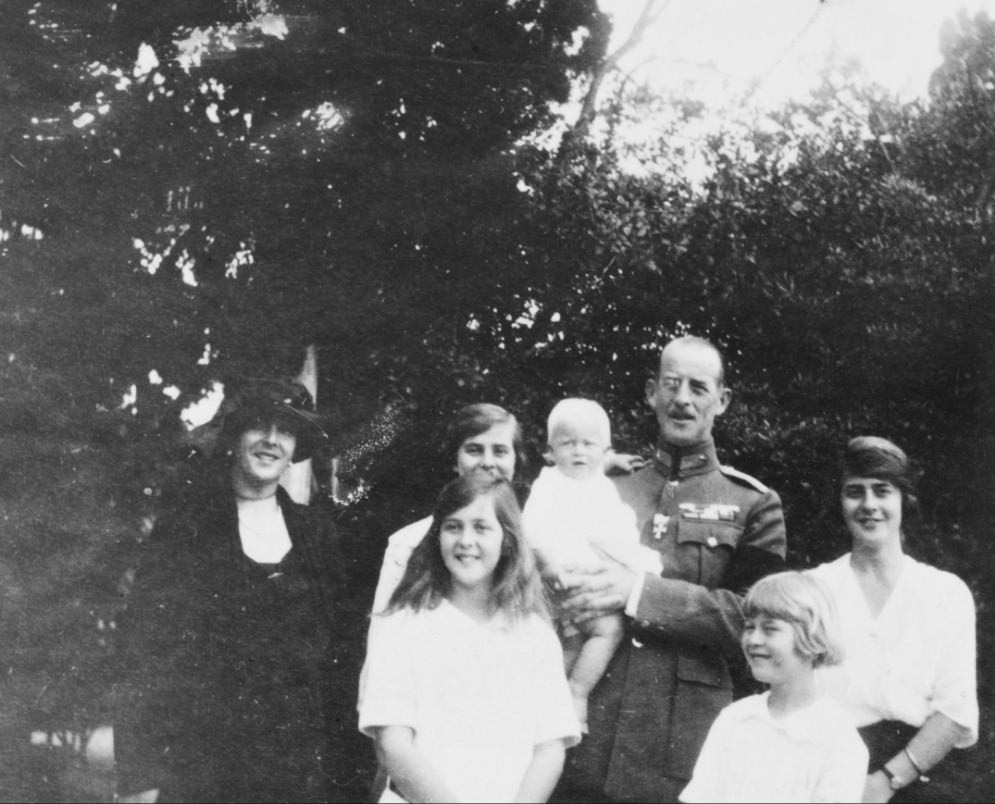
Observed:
{"x":677,"y":463}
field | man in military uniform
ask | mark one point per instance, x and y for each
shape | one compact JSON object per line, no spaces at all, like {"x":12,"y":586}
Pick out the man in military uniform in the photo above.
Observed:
{"x":717,"y":531}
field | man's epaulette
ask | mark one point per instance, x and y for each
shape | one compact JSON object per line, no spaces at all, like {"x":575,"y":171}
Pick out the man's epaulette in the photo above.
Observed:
{"x":749,"y":480}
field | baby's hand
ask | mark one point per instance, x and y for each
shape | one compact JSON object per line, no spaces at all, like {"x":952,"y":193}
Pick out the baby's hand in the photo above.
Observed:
{"x":556,"y":580}
{"x":556,"y":576}
{"x":562,"y":582}
{"x":622,"y":463}
{"x":598,"y":592}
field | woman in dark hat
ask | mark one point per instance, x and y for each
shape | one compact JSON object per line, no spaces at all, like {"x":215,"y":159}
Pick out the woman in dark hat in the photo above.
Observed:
{"x":908,"y":673}
{"x":236,"y":634}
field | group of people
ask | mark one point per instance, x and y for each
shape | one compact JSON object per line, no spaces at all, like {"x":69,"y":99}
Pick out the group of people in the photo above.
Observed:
{"x":588,"y":648}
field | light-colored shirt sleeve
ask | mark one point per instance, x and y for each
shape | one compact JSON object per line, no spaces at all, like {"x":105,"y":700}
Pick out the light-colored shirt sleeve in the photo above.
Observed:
{"x":391,"y":572}
{"x":955,"y":689}
{"x":632,"y":604}
{"x":389,"y":697}
{"x":555,"y":717}
{"x":395,"y":560}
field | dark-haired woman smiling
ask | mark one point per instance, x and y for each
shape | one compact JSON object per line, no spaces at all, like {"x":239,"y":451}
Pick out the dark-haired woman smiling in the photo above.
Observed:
{"x":236,"y":633}
{"x":909,"y":632}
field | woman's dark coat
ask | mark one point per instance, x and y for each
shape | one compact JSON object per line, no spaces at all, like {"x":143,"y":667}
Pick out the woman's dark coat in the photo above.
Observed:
{"x":239,"y":677}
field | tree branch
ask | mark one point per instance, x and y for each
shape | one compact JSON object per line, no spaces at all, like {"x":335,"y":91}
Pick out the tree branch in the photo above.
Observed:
{"x":589,"y":108}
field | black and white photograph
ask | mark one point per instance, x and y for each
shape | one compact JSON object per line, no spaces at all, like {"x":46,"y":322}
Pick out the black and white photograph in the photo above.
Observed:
{"x":557,"y":401}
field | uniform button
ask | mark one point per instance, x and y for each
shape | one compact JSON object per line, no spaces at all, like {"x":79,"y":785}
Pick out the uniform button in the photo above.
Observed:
{"x":645,"y":623}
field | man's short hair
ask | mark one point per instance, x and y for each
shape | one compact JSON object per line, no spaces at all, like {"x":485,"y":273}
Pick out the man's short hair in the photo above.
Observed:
{"x":702,"y":343}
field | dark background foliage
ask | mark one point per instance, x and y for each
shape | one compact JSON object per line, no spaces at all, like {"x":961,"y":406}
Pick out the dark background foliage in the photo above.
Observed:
{"x":370,"y":182}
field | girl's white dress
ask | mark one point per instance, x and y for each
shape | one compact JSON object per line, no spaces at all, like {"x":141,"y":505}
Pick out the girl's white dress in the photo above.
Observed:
{"x":479,"y":697}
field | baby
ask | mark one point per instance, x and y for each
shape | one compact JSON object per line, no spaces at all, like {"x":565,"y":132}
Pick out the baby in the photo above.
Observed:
{"x":575,"y":520}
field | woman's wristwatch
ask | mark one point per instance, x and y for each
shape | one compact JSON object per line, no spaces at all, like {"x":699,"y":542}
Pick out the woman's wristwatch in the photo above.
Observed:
{"x":894,"y":782}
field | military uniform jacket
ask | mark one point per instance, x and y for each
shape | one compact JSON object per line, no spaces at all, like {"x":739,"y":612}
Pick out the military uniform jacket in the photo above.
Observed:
{"x":717,"y":532}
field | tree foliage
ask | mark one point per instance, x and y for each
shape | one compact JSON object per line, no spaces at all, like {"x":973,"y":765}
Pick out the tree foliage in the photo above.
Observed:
{"x":193,"y":191}
{"x":365,"y":176}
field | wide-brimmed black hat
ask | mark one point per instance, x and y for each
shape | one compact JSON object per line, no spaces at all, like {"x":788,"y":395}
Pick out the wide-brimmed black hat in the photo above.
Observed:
{"x":261,"y":402}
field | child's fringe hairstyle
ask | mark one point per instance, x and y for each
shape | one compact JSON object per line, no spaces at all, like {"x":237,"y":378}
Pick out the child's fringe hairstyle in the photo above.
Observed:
{"x":806,"y":602}
{"x":517,"y":589}
{"x":575,"y":411}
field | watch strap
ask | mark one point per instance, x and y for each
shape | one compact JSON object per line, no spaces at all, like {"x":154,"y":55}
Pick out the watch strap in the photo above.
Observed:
{"x":893,"y":781}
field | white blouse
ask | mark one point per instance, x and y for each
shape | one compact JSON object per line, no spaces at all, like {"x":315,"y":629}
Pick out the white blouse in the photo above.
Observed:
{"x":479,"y":696}
{"x":916,"y":657}
{"x":813,"y":754}
{"x":395,"y":560}
{"x":263,"y":531}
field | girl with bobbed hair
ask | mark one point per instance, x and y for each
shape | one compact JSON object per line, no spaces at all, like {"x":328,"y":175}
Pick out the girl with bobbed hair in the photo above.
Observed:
{"x":803,"y":601}
{"x":909,"y":673}
{"x":793,"y":742}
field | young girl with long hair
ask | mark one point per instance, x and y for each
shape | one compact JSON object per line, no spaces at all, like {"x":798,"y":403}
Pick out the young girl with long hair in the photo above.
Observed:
{"x":466,"y":696}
